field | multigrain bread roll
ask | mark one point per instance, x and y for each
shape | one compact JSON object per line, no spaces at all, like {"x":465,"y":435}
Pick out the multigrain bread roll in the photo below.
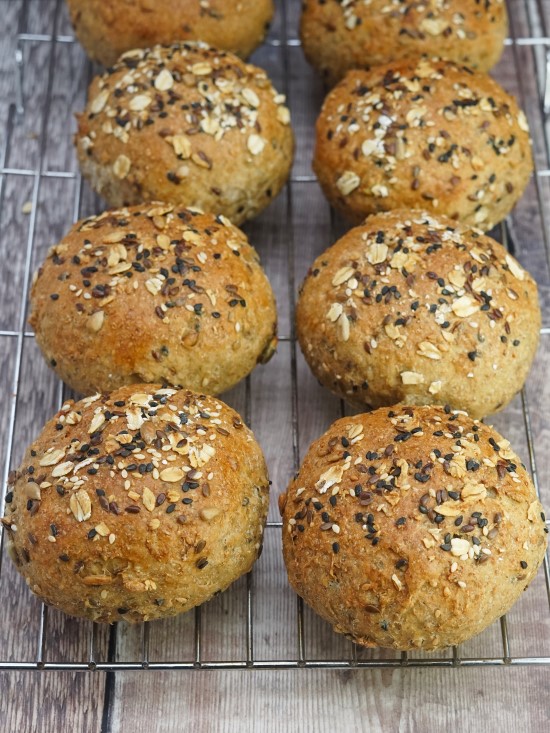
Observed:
{"x":411,"y":528}
{"x":153,"y":293}
{"x":423,"y":133}
{"x":338,"y":36}
{"x":186,"y":124}
{"x":107,"y":29}
{"x":138,"y":505}
{"x":408,"y":307}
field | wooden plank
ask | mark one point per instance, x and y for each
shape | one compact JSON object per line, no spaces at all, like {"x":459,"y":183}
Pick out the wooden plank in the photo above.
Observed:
{"x":10,"y":20}
{"x":306,"y":94}
{"x":65,"y":702}
{"x":14,"y":233}
{"x":268,"y":234}
{"x":408,"y":701}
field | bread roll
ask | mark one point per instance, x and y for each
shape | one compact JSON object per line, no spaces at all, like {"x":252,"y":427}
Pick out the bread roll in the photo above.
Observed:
{"x":339,"y":36}
{"x":417,"y":134}
{"x":411,"y":528}
{"x":138,"y":505}
{"x":107,"y":29}
{"x":186,"y":124}
{"x":413,"y":308}
{"x":153,"y":293}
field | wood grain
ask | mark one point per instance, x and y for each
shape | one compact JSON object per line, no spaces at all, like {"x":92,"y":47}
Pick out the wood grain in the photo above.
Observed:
{"x":380,"y":701}
{"x":64,"y":702}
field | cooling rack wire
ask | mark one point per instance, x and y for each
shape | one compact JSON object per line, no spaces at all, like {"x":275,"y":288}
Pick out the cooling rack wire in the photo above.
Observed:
{"x":239,"y":630}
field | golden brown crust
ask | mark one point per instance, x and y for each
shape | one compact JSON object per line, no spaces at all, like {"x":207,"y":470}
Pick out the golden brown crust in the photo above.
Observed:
{"x":337,"y":36}
{"x":423,"y":133}
{"x":411,"y":528}
{"x":416,"y":309}
{"x":138,"y":505}
{"x":107,"y":29}
{"x":186,"y":124}
{"x":153,"y":293}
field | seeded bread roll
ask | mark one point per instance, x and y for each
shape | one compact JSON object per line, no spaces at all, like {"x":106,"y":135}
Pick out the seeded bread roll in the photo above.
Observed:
{"x":107,"y":29}
{"x":337,"y":36}
{"x":423,"y":133}
{"x":153,"y":293}
{"x":138,"y":505}
{"x":416,"y":309}
{"x":186,"y":124}
{"x":411,"y":528}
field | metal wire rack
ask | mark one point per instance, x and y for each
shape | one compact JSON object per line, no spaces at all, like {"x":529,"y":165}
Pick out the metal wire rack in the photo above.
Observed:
{"x":258,"y":624}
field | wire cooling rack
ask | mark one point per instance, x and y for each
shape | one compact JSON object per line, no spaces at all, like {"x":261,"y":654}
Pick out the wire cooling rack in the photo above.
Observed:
{"x":259,"y":622}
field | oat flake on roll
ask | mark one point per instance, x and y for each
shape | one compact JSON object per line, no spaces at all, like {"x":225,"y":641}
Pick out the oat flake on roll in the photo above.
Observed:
{"x":411,"y":527}
{"x":107,"y":29}
{"x":137,"y":505}
{"x":338,"y":36}
{"x":420,"y":309}
{"x":153,"y":293}
{"x":186,"y":124}
{"x":423,"y":133}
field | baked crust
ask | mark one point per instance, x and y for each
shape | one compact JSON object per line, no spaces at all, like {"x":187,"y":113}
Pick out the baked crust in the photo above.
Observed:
{"x":337,"y":37}
{"x":413,"y":308}
{"x":108,"y":29}
{"x":411,"y":528}
{"x":153,"y":293}
{"x":186,"y":124}
{"x":138,"y":505}
{"x":423,"y":133}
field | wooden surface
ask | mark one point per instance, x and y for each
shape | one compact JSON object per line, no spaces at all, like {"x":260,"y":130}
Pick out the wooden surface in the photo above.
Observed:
{"x":288,"y":236}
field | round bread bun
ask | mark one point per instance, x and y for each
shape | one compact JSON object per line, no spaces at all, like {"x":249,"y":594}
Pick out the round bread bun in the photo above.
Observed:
{"x":416,"y":309}
{"x":337,"y":37}
{"x":107,"y":29}
{"x":153,"y":293}
{"x":137,"y":505}
{"x":186,"y":124}
{"x":423,"y":133}
{"x":411,"y":528}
